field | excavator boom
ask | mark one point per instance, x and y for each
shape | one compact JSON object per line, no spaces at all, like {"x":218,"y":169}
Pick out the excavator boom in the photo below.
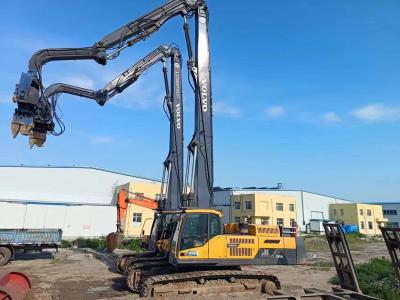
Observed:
{"x":30,"y":86}
{"x":31,"y":101}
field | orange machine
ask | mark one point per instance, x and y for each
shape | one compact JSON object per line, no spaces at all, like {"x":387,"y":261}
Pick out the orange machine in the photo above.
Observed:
{"x":115,"y":238}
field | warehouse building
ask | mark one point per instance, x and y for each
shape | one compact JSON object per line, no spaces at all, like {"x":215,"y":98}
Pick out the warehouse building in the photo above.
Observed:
{"x":79,"y":200}
{"x":309,"y":206}
{"x":368,"y":217}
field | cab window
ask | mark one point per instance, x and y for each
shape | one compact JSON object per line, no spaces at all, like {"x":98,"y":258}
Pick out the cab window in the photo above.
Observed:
{"x":195,"y":231}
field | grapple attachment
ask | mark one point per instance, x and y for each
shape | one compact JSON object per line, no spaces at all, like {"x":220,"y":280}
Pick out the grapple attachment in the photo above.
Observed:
{"x":33,"y":117}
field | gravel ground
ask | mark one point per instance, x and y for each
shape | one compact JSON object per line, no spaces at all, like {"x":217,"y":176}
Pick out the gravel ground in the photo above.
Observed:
{"x":81,"y":274}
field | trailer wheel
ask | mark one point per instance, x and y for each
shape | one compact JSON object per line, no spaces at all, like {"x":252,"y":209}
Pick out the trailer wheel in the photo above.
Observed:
{"x":5,"y":255}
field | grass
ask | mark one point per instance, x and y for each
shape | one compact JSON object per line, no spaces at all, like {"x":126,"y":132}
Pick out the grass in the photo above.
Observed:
{"x":100,"y":243}
{"x":132,"y":244}
{"x":356,"y":241}
{"x":377,"y":278}
{"x":316,"y":243}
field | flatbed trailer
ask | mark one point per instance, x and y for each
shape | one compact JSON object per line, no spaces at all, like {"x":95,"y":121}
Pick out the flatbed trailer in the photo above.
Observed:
{"x":12,"y":240}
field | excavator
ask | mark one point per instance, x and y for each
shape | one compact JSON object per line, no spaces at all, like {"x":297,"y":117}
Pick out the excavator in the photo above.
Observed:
{"x":195,"y":252}
{"x":114,"y":239}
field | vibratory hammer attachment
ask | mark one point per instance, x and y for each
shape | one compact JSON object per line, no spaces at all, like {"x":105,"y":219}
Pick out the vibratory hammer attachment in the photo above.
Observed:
{"x":32,"y":118}
{"x":23,"y":122}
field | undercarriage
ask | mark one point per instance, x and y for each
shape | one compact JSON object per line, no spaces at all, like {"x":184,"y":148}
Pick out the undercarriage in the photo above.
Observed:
{"x":160,"y":280}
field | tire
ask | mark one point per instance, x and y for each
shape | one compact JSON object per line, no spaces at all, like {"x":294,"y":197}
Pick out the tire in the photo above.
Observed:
{"x":5,"y":255}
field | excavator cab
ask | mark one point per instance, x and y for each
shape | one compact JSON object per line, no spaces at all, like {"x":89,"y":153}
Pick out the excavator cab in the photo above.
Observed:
{"x":197,"y":234}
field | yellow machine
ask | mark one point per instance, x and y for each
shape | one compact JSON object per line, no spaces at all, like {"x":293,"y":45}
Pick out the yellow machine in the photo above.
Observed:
{"x":196,"y":247}
{"x":201,"y":238}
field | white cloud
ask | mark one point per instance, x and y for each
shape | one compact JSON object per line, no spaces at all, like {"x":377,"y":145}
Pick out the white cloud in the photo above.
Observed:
{"x":142,"y":95}
{"x":378,"y":113}
{"x":275,"y":111}
{"x":79,"y":80}
{"x":331,"y":117}
{"x":102,"y":140}
{"x":222,"y":108}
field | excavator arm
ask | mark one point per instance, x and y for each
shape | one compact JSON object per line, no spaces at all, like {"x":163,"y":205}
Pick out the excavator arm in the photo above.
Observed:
{"x":199,"y":175}
{"x":43,"y":113}
{"x":122,"y":81}
{"x":30,"y":85}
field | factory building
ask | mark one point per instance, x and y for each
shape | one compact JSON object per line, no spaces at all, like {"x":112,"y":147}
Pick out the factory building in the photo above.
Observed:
{"x":263,"y":208}
{"x":368,"y":217}
{"x":82,"y":202}
{"x":79,"y":200}
{"x":308,"y":205}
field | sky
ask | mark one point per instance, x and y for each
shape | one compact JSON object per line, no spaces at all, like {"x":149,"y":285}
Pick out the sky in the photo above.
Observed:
{"x":305,"y":93}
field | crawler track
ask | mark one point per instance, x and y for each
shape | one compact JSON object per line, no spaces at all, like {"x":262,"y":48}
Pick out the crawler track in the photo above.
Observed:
{"x":208,"y":282}
{"x":125,"y":260}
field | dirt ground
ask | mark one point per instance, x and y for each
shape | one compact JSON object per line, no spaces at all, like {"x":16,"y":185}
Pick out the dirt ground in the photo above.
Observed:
{"x":86,"y":274}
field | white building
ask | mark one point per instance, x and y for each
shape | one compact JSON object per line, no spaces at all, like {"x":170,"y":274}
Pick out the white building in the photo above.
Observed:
{"x":79,"y":200}
{"x":309,"y":205}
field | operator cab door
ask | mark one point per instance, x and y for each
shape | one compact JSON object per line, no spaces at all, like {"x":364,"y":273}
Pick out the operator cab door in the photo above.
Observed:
{"x":217,"y":241}
{"x":198,"y":237}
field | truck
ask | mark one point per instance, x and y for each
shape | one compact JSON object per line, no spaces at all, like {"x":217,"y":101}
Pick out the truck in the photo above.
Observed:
{"x":12,"y":240}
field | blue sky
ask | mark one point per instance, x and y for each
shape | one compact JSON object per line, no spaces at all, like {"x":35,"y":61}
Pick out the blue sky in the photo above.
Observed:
{"x":305,"y":93}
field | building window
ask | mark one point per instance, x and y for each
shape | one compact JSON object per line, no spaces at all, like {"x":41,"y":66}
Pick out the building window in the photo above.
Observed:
{"x":370,"y":226}
{"x":237,"y":205}
{"x":334,"y":211}
{"x":362,"y":225}
{"x":393,"y":224}
{"x":369,"y":213}
{"x":293,"y":223}
{"x":249,"y":205}
{"x":279,"y":206}
{"x":237,"y":219}
{"x":361,"y":212}
{"x":264,"y":221}
{"x":291,"y":207}
{"x":279,"y":221}
{"x":137,"y":219}
{"x":341,"y":212}
{"x":391,"y":212}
